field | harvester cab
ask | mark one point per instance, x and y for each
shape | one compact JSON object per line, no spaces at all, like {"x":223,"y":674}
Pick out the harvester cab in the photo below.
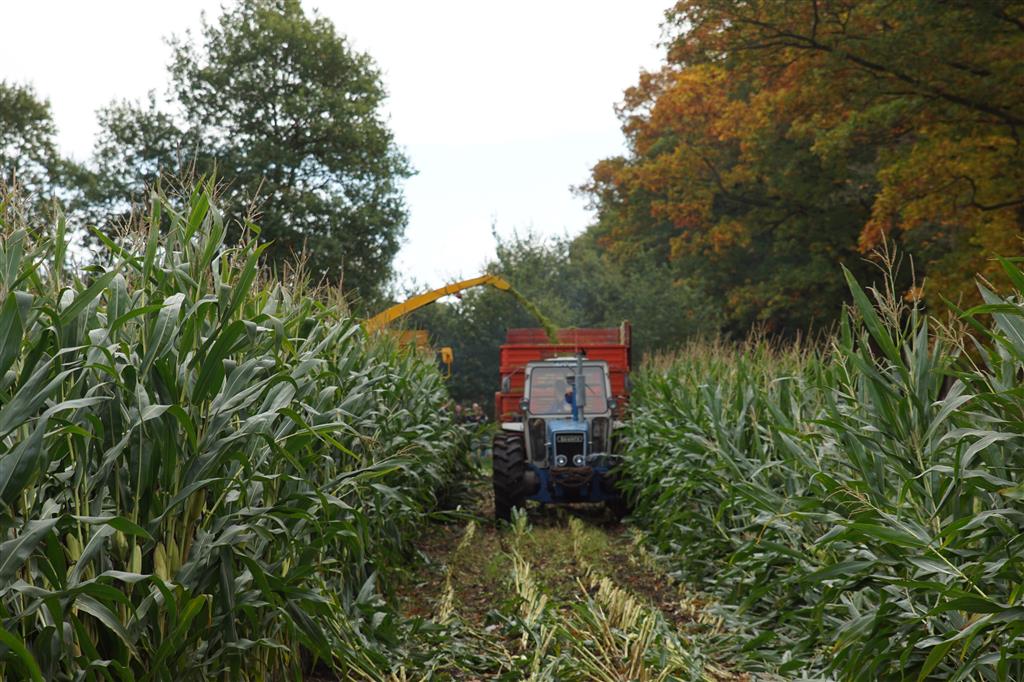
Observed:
{"x":559,"y":451}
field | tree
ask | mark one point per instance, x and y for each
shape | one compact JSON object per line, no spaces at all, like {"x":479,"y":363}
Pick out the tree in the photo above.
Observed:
{"x":475,"y":325}
{"x":28,"y":150}
{"x":749,"y":216}
{"x":783,"y":138}
{"x":933,"y":89}
{"x":276,"y":106}
{"x":573,"y":284}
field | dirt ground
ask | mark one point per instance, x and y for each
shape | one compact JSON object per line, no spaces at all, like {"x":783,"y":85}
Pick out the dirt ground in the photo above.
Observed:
{"x":497,"y":587}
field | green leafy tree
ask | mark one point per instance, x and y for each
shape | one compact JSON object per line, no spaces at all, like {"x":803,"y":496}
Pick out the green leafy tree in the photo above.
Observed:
{"x":28,"y":150}
{"x":783,"y":138}
{"x":475,"y":325}
{"x":276,"y":105}
{"x":573,"y":283}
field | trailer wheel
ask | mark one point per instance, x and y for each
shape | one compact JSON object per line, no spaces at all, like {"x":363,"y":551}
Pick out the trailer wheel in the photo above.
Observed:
{"x":509,"y":467}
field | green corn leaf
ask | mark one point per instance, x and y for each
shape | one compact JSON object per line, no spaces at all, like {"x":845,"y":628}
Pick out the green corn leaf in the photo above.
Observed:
{"x":84,"y":298}
{"x":19,"y":466}
{"x":12,"y":253}
{"x":10,"y":333}
{"x":245,"y":280}
{"x":874,"y":324}
{"x":163,"y":331}
{"x":31,"y":396}
{"x":845,"y":569}
{"x":22,"y":653}
{"x":153,"y":240}
{"x":14,"y":553}
{"x":93,"y":549}
{"x":106,"y":616}
{"x":192,"y":608}
{"x":117,"y":523}
{"x":200,"y":209}
{"x":935,"y":657}
{"x":116,"y":249}
{"x":211,"y":372}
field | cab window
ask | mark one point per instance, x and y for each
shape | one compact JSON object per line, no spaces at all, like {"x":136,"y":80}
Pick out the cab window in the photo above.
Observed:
{"x":548,"y":387}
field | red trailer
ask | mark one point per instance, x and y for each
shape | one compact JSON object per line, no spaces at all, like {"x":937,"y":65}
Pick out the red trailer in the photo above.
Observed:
{"x":611,"y":344}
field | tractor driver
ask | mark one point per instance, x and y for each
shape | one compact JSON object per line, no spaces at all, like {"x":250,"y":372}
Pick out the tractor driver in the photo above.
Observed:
{"x":566,"y":405}
{"x":548,"y":397}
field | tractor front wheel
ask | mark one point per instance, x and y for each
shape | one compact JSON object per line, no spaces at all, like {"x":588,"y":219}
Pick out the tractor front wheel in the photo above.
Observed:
{"x":509,"y":466}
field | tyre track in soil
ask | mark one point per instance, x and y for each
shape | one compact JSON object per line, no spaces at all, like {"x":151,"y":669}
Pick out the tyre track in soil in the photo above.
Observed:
{"x":565,"y":593}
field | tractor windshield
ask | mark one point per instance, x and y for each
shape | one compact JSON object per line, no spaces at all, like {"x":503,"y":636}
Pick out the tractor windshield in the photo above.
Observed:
{"x":549,"y":387}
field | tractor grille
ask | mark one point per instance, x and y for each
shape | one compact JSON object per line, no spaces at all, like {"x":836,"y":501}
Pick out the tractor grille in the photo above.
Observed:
{"x":569,"y":444}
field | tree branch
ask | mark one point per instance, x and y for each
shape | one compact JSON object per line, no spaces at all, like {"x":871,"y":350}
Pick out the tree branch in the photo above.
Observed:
{"x":1002,"y":15}
{"x":810,"y":43}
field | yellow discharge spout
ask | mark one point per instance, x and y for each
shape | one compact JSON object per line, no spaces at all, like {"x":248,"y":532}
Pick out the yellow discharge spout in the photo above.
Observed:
{"x":383,"y":319}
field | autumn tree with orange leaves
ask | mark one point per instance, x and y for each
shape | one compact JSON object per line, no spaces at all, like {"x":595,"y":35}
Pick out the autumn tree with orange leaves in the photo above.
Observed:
{"x":783,"y":138}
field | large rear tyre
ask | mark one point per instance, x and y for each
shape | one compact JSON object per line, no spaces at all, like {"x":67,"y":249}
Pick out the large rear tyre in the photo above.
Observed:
{"x":509,"y":466}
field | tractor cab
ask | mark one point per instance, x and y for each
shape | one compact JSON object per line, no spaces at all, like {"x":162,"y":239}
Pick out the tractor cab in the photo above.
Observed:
{"x":565,"y":405}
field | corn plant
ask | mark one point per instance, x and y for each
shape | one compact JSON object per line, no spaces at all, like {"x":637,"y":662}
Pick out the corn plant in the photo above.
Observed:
{"x":205,"y":471}
{"x":855,"y":508}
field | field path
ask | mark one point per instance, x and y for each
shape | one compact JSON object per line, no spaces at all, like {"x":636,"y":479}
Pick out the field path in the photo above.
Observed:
{"x":562,"y":594}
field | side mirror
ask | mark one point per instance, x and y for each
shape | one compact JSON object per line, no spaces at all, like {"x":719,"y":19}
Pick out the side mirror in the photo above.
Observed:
{"x":612,"y":403}
{"x":524,"y":404}
{"x":506,"y":384}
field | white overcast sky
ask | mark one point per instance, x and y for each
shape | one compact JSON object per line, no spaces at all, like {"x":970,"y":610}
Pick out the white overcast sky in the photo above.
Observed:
{"x":502,"y":107}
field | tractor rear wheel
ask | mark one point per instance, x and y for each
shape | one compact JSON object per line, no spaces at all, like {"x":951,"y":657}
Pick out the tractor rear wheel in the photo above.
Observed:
{"x":509,"y":466}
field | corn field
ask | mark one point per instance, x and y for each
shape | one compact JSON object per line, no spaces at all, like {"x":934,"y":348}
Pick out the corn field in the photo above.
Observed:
{"x":204,"y":473}
{"x":855,"y":510}
{"x":208,"y":471}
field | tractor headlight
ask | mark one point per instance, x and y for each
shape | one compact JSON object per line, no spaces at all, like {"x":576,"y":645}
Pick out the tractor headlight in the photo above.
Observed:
{"x":561,"y":460}
{"x":578,"y":460}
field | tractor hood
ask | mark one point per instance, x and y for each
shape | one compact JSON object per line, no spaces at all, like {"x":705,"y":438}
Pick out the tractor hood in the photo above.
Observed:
{"x":567,"y":426}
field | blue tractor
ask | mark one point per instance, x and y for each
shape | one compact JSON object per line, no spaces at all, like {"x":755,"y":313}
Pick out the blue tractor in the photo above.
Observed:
{"x":562,"y":449}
